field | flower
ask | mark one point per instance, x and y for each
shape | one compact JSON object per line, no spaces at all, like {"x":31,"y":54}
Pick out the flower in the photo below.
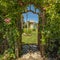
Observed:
{"x":20,"y":3}
{"x":7,"y":20}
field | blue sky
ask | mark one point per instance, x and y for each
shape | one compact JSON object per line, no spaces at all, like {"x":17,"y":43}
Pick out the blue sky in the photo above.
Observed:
{"x":30,"y":16}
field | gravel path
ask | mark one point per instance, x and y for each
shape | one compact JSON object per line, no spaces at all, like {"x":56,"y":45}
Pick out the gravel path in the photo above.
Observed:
{"x":28,"y":48}
{"x":30,"y":52}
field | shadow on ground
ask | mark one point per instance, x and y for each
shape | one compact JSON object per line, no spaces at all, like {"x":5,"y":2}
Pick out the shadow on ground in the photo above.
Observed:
{"x":31,"y":52}
{"x":29,"y":48}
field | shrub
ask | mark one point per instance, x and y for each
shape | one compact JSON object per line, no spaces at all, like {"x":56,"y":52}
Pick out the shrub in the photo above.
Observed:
{"x":29,"y":31}
{"x":34,"y":29}
{"x":8,"y":55}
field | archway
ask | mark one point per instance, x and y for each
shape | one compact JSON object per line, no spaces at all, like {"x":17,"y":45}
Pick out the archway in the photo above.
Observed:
{"x":41,"y":22}
{"x":30,"y":29}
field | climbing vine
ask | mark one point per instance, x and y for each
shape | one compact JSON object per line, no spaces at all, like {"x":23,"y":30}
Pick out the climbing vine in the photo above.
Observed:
{"x":11,"y":10}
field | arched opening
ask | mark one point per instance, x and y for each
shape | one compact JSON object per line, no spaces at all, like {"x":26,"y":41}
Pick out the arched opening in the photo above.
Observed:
{"x":30,"y":29}
{"x":12,"y":28}
{"x":40,"y":24}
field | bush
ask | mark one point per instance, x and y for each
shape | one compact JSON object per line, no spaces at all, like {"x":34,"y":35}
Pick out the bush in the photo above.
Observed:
{"x":29,"y":31}
{"x":8,"y":55}
{"x":34,"y":29}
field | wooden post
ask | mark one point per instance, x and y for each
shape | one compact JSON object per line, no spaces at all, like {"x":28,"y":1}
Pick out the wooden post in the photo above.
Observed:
{"x":39,"y":34}
{"x":43,"y":20}
{"x":20,"y":38}
{"x":18,"y":42}
{"x":16,"y":50}
{"x":43,"y":26}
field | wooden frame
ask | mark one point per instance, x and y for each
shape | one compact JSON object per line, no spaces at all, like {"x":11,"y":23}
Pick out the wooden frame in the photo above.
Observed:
{"x":43,"y":22}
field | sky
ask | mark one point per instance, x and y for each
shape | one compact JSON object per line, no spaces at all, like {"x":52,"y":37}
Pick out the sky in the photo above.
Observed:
{"x":31,"y":16}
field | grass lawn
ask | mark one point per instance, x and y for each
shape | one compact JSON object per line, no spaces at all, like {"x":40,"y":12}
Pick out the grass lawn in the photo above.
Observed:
{"x":30,"y":39}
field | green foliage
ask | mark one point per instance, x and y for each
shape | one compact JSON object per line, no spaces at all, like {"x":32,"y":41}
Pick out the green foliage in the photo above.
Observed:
{"x":27,"y":31}
{"x":8,"y":55}
{"x":58,"y":51}
{"x":34,"y":29}
{"x":45,"y":37}
{"x":43,"y":41}
{"x":52,"y":24}
{"x":11,"y":9}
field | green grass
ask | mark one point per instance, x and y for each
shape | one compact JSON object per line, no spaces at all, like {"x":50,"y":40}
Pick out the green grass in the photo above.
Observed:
{"x":30,"y":39}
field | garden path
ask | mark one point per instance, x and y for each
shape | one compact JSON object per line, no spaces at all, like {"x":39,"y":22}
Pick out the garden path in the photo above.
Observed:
{"x":30,"y":52}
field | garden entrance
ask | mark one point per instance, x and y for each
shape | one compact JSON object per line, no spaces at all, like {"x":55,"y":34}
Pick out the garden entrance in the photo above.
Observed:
{"x":40,"y":26}
{"x":30,"y":29}
{"x":30,"y":26}
{"x":14,"y":29}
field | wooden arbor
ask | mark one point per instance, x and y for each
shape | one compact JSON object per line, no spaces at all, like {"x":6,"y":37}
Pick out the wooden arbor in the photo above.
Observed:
{"x":41,"y":22}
